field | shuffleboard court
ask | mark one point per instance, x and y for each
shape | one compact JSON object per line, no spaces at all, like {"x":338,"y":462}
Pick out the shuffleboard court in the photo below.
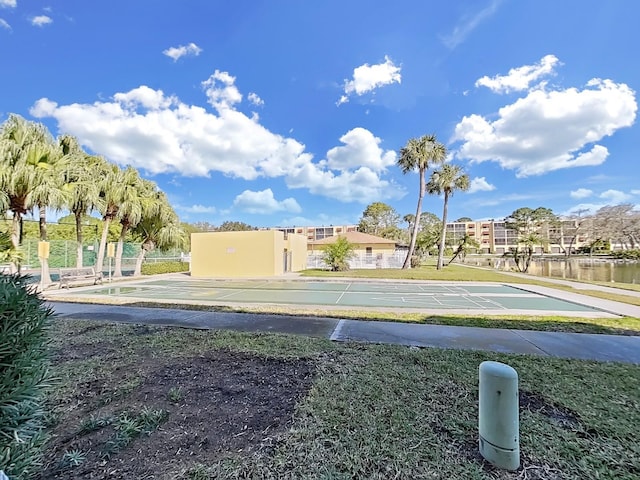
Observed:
{"x":377,"y":295}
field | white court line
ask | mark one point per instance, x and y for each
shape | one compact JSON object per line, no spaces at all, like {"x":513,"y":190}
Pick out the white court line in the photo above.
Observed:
{"x":342,"y":294}
{"x":232,"y":294}
{"x":470,"y":299}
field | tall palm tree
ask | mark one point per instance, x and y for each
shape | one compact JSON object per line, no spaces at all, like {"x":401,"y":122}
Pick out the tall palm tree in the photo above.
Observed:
{"x":419,"y":154}
{"x":80,"y":185}
{"x":22,"y":148}
{"x":48,"y":191}
{"x":117,"y":186}
{"x":140,"y":201}
{"x":446,"y":181}
{"x":159,"y":228}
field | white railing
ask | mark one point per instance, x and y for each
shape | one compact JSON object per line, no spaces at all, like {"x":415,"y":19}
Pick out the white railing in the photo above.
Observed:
{"x":393,"y":260}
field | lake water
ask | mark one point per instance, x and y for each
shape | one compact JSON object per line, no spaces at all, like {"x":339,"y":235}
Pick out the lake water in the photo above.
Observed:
{"x":594,"y":270}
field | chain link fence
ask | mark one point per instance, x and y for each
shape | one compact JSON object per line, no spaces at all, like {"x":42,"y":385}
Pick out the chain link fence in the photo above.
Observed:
{"x":63,"y":254}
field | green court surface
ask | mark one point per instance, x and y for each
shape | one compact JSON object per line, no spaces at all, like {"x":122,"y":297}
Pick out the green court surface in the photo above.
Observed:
{"x":345,"y":294}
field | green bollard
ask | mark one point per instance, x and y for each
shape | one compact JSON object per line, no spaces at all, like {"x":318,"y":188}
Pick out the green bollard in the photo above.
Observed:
{"x":498,"y":415}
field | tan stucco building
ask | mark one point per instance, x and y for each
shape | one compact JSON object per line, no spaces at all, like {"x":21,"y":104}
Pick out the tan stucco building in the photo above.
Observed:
{"x":261,"y":253}
{"x":364,"y":244}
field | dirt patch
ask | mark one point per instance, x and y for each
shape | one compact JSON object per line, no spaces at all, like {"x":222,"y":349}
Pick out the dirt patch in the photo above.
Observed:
{"x":560,"y":415}
{"x":207,"y":407}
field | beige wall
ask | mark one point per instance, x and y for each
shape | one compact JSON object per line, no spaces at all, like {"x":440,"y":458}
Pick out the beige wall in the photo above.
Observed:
{"x":297,"y":244}
{"x":244,"y":254}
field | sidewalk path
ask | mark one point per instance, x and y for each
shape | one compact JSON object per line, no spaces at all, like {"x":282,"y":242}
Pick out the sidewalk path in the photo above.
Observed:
{"x":565,"y":345}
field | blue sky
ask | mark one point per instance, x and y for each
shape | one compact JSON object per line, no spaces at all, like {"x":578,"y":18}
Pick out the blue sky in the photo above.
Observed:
{"x":285,"y":112}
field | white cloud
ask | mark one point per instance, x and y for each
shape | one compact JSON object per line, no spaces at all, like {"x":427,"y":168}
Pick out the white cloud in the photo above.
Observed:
{"x":197,"y":208}
{"x":520,"y":78}
{"x":8,"y":3}
{"x":145,"y":97}
{"x":635,"y":192}
{"x":360,"y":150}
{"x":4,"y":24}
{"x":41,"y":21}
{"x":255,"y":99}
{"x":467,"y":24}
{"x":549,"y":129}
{"x":367,"y":78}
{"x":512,"y":197}
{"x":480,"y":184}
{"x":584,"y":208}
{"x":263,"y":202}
{"x":362,"y":185}
{"x":581,"y":193}
{"x":221,"y":90}
{"x":615,"y":197}
{"x":159,"y":133}
{"x":183,"y":50}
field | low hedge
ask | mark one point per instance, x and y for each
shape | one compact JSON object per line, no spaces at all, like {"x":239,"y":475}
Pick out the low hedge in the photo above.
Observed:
{"x":24,"y":376}
{"x":164,"y":267}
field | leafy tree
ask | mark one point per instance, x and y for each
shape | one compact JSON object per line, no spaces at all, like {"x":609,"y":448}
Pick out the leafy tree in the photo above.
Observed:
{"x":464,"y":219}
{"x":619,"y":224}
{"x":230,"y":226}
{"x":23,"y":145}
{"x":449,"y":179}
{"x":140,"y":202}
{"x":9,"y":253}
{"x":337,"y":254}
{"x":65,"y":229}
{"x":48,"y":191}
{"x":82,"y":189}
{"x":419,"y":154}
{"x":158,"y":228}
{"x":528,"y":223}
{"x":381,"y":220}
{"x":116,"y":187}
{"x":188,"y":229}
{"x":428,"y":235}
{"x":204,"y":227}
{"x":467,"y":244}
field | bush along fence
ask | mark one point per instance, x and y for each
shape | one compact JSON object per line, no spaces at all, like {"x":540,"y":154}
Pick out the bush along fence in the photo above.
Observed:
{"x":25,"y":376}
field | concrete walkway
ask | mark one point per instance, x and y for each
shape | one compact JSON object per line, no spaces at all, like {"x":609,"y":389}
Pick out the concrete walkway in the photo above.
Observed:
{"x":565,"y":345}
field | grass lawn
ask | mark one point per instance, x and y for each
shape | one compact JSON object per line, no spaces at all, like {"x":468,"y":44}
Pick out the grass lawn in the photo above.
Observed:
{"x":169,"y":403}
{"x":609,"y":326}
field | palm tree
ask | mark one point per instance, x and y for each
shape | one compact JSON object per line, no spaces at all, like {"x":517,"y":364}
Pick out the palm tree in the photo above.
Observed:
{"x":447,"y":180}
{"x":140,"y":201}
{"x":80,"y":185}
{"x":48,"y":191}
{"x":22,"y":148}
{"x":419,"y":154}
{"x":117,"y":186}
{"x":159,"y":228}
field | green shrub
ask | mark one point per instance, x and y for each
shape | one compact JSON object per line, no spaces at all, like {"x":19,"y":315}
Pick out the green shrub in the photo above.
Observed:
{"x":336,"y":255}
{"x":164,"y":267}
{"x":24,"y":376}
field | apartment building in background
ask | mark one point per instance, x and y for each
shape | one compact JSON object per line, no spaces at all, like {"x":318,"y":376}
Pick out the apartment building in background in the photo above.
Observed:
{"x":314,"y":234}
{"x":493,"y":236}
